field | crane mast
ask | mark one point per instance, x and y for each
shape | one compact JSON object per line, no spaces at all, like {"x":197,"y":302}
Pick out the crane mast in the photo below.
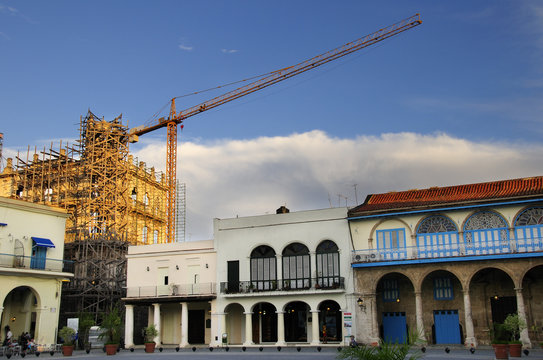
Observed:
{"x":274,"y":77}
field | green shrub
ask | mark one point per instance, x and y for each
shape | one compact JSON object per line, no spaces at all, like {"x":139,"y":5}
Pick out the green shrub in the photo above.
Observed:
{"x":67,"y":335}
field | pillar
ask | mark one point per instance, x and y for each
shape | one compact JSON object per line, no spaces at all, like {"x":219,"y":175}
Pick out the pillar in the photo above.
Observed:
{"x":222,"y":327}
{"x":248,"y":329}
{"x":129,"y":326}
{"x":156,"y":318}
{"x":280,"y":328}
{"x":374,"y":322}
{"x":421,"y":337}
{"x":315,"y":327}
{"x":184,"y":325}
{"x":521,"y":310}
{"x":471,"y":341}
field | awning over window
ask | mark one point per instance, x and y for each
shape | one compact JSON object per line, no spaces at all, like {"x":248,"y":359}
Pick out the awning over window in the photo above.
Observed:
{"x":43,"y":242}
{"x":3,"y":224}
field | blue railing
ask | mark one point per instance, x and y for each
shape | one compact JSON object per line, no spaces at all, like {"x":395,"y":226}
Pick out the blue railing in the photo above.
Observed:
{"x":450,"y":249}
{"x":36,"y":263}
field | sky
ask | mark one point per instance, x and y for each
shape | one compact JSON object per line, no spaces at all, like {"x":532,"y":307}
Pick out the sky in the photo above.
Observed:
{"x":456,"y":100}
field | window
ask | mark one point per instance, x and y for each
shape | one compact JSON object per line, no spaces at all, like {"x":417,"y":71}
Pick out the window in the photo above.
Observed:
{"x":485,"y":232}
{"x":145,"y":199}
{"x":327,"y":264}
{"x":144,"y":235}
{"x":296,"y":267}
{"x":529,"y":230}
{"x":391,"y":244}
{"x":155,"y":237}
{"x":437,"y":236}
{"x":443,"y":289}
{"x":391,"y":292}
{"x":263,"y":268}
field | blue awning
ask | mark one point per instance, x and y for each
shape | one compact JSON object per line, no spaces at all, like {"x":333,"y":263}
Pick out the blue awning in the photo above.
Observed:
{"x":3,"y":224}
{"x":43,"y":242}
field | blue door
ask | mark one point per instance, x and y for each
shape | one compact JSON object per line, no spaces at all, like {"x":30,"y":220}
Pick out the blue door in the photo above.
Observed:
{"x":394,"y":327}
{"x":38,"y":257}
{"x":447,"y":326}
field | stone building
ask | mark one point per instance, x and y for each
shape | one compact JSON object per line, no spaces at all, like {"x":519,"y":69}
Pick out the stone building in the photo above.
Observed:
{"x":447,"y":263}
{"x":32,"y":269}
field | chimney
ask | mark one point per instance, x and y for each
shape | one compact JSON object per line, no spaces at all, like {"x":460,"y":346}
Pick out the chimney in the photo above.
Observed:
{"x":282,"y":210}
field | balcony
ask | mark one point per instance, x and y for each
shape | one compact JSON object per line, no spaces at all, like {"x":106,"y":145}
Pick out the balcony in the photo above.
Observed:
{"x":36,"y":263}
{"x":453,"y":251}
{"x":257,"y":286}
{"x":182,"y":290}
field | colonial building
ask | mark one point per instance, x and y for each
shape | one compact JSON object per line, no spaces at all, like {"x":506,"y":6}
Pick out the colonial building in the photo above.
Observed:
{"x":446,"y":263}
{"x":31,"y":268}
{"x":173,"y":287}
{"x":284,"y":278}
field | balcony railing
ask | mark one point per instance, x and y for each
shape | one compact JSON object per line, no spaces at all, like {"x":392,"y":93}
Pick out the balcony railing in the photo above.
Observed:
{"x":247,"y":287}
{"x":172,"y":290}
{"x":35,"y":263}
{"x":454,"y":249}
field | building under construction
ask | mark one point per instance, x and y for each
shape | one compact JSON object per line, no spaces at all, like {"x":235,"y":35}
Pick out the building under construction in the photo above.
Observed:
{"x":113,"y":201}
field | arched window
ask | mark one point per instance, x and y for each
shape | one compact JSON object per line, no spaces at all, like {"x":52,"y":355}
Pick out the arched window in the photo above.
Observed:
{"x":485,"y":232}
{"x":155,"y":237}
{"x":144,"y":235}
{"x":296,"y":267}
{"x":529,"y":230}
{"x":145,"y":199}
{"x":263,"y":268}
{"x":327,"y":264}
{"x":437,"y":236}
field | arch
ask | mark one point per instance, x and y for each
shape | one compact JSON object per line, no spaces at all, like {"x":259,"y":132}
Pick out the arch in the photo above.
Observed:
{"x":264,"y":320}
{"x":20,"y":305}
{"x":532,"y":286}
{"x":382,"y":221}
{"x":263,"y":268}
{"x":446,"y":285}
{"x":234,"y":323}
{"x":528,"y":229}
{"x":486,"y":232}
{"x":146,"y":199}
{"x":436,"y":224}
{"x":328,"y":266}
{"x":330,"y":321}
{"x":295,"y":321}
{"x":296,"y":267}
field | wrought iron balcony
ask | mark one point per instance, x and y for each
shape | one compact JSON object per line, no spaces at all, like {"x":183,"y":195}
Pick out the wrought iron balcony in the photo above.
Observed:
{"x":513,"y":248}
{"x":247,"y":287}
{"x":36,"y":263}
{"x":172,"y":290}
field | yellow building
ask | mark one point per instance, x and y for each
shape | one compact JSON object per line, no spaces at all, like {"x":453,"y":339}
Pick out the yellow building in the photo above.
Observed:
{"x":31,"y":268}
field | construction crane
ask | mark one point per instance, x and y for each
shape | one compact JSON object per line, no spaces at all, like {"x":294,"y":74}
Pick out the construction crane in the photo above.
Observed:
{"x":175,"y":118}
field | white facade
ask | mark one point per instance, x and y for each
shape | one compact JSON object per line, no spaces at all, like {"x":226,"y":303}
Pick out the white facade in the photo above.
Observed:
{"x":31,"y":268}
{"x":176,"y":283}
{"x":282,"y":277}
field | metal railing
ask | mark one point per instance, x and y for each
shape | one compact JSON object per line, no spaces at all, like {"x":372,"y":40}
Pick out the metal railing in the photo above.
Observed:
{"x":453,"y":249}
{"x":172,"y":290}
{"x":247,"y":287}
{"x":36,"y":263}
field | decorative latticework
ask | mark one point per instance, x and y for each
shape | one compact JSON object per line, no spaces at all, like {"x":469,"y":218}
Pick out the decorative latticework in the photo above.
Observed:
{"x":436,"y":224}
{"x":485,"y":220}
{"x":531,"y":216}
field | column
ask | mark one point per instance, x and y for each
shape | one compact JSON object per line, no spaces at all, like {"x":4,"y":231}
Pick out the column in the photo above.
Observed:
{"x":279,"y":271}
{"x":281,"y":328}
{"x":374,"y":322}
{"x":156,"y":317}
{"x":184,"y":325}
{"x":129,"y":326}
{"x":315,"y":327}
{"x":521,"y":310}
{"x":313,"y":261}
{"x":420,"y":319}
{"x":222,"y":327}
{"x":248,"y":329}
{"x":471,"y":341}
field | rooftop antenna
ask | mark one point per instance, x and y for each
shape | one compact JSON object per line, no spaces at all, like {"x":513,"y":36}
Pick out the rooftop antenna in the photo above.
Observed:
{"x":355,"y":194}
{"x":1,"y":142}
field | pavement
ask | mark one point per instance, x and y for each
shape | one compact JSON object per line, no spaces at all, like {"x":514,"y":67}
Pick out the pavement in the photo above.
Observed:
{"x":271,"y":353}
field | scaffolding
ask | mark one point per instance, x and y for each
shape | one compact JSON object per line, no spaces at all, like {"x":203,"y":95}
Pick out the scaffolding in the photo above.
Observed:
{"x":180,"y":211}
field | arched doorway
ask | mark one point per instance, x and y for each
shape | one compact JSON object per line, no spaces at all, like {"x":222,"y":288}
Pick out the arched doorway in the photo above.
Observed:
{"x":296,"y":321}
{"x":532,"y":288}
{"x":395,"y":304}
{"x":443,"y":307}
{"x":234,"y":324}
{"x":330,"y":324}
{"x":20,"y":311}
{"x":264,"y":321}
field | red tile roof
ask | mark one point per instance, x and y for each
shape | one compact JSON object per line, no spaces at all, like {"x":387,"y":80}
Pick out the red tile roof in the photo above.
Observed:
{"x":506,"y":190}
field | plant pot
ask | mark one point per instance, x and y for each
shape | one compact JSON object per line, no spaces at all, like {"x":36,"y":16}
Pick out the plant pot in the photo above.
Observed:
{"x":515,"y":350}
{"x":501,"y":351}
{"x":150,"y":347}
{"x":111,"y":349}
{"x":67,"y":350}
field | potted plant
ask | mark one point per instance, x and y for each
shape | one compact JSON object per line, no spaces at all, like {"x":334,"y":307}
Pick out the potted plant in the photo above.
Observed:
{"x":500,"y":342}
{"x":514,"y":325}
{"x":67,"y":335}
{"x":111,"y":326}
{"x":86,"y":321}
{"x":150,"y":334}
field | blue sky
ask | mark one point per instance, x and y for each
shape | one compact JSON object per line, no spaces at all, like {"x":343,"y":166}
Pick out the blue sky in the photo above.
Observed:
{"x":461,"y":95}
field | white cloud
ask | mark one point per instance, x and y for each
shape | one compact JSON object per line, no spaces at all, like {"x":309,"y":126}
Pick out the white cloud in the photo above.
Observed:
{"x":255,"y":176}
{"x":229,"y":51}
{"x":185,"y":47}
